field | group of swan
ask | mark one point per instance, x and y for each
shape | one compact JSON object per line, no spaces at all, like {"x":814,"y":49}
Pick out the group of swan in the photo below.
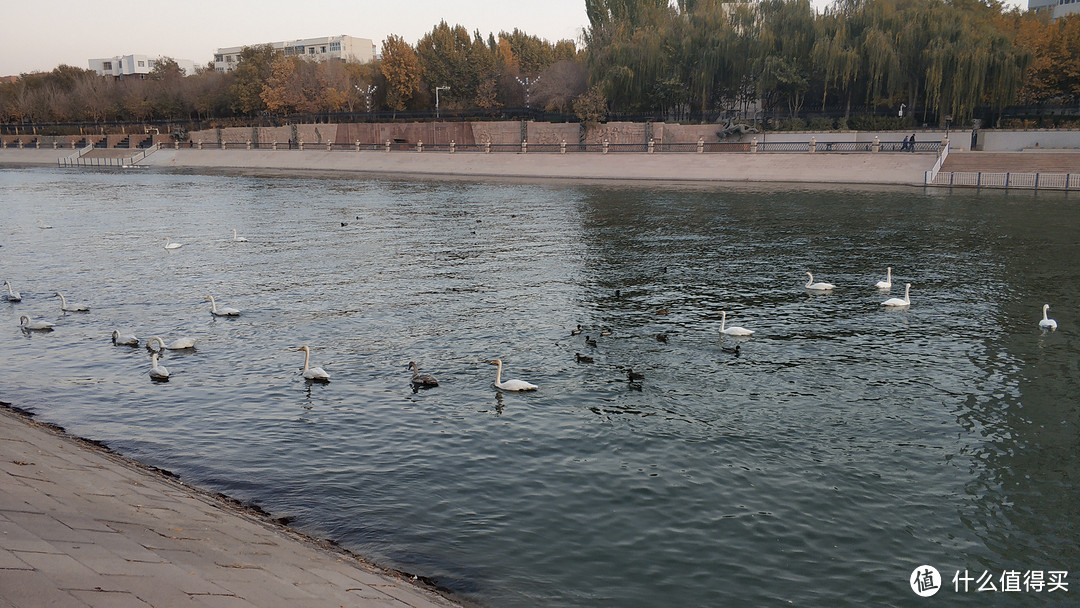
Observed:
{"x":12,"y":295}
{"x":1047,"y":323}
{"x":171,"y":245}
{"x":72,"y":308}
{"x":510,"y":385}
{"x":225,"y":310}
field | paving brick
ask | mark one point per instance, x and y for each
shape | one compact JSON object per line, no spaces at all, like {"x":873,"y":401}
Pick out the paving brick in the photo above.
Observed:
{"x":80,"y":527}
{"x":14,"y":538}
{"x":109,"y":599}
{"x":65,"y":571}
{"x":29,"y":589}
{"x":45,"y":526}
{"x":9,"y":561}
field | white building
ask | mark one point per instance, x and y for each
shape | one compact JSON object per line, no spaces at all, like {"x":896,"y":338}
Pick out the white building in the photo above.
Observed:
{"x":346,"y":48}
{"x":1057,"y":8}
{"x":134,"y":65}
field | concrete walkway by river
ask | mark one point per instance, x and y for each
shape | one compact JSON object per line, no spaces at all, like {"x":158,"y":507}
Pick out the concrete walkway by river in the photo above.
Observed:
{"x":81,"y":527}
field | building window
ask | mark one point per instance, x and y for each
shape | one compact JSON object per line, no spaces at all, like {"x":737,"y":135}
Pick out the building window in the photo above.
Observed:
{"x":311,"y":50}
{"x":106,"y":65}
{"x":152,"y":63}
{"x":335,"y":46}
{"x":218,"y":58}
{"x":142,"y":64}
{"x":228,"y":58}
{"x":322,"y":49}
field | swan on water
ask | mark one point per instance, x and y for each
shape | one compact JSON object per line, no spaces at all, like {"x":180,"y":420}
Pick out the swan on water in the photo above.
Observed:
{"x":225,"y":311}
{"x":812,"y":286}
{"x":315,"y":374}
{"x":43,"y":225}
{"x":73,"y":308}
{"x":32,"y":325}
{"x":171,"y":245}
{"x":900,"y":303}
{"x":510,"y":385}
{"x":12,"y":295}
{"x":1047,"y":323}
{"x":237,"y":239}
{"x":158,"y":372}
{"x":125,"y":339}
{"x":887,"y":283}
{"x":178,"y":344}
{"x":422,"y":380}
{"x":732,"y":331}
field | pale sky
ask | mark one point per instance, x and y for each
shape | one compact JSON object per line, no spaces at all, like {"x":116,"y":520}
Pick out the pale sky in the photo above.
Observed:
{"x":44,"y":34}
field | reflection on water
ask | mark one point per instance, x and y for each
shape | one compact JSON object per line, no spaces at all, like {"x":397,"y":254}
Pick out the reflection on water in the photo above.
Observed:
{"x":845,"y":445}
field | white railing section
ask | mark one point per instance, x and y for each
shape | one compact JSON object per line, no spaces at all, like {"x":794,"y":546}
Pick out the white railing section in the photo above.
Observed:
{"x":1026,"y":181}
{"x":932,"y":174}
{"x":80,"y":159}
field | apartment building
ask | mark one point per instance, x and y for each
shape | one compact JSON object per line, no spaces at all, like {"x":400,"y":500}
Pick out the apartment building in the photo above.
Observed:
{"x":134,"y":65}
{"x":346,"y":48}
{"x":1057,"y":8}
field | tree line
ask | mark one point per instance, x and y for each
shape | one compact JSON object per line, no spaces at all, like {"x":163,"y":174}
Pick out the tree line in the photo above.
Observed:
{"x":676,"y":60}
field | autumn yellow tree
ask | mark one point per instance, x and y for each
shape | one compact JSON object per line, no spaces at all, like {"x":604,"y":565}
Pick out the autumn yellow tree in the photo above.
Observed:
{"x":401,"y":68}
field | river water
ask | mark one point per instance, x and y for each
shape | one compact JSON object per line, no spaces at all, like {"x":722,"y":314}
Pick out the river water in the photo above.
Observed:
{"x":845,"y":446}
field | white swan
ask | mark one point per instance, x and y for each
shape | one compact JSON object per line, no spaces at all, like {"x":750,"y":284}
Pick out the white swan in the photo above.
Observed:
{"x":73,"y":308}
{"x":1047,"y":323}
{"x":419,"y":379}
{"x":732,"y":331}
{"x":510,"y":385}
{"x":900,"y":303}
{"x":158,"y":372}
{"x":225,"y":310}
{"x":812,"y":286}
{"x":237,"y":239}
{"x":125,"y":339}
{"x":11,"y":295}
{"x":171,"y":245}
{"x":887,"y":283}
{"x":316,"y":374}
{"x":178,"y":344}
{"x":43,"y":225}
{"x":31,"y":325}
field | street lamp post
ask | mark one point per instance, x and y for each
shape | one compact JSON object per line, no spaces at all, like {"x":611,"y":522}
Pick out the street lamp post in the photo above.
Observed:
{"x":366,"y":93}
{"x":437,"y":89}
{"x":527,"y":85}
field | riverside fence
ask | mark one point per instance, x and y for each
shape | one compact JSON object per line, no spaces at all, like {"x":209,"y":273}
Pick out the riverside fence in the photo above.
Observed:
{"x":700,"y":147}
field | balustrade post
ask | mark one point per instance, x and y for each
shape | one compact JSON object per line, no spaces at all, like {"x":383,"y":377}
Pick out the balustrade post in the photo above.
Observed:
{"x":249,"y":144}
{"x":329,"y":146}
{"x":524,"y":147}
{"x":451,"y":146}
{"x":388,"y":145}
{"x":700,"y":146}
{"x":274,"y":145}
{"x":419,"y":145}
{"x":487,"y":146}
{"x":562,"y":147}
{"x":652,"y":145}
{"x":300,"y":145}
{"x":877,"y":144}
{"x":358,"y":145}
{"x":605,"y":146}
{"x":754,"y":145}
{"x":813,"y":144}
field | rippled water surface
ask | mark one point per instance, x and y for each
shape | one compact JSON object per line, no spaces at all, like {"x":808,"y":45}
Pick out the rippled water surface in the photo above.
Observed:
{"x":846,"y":445}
